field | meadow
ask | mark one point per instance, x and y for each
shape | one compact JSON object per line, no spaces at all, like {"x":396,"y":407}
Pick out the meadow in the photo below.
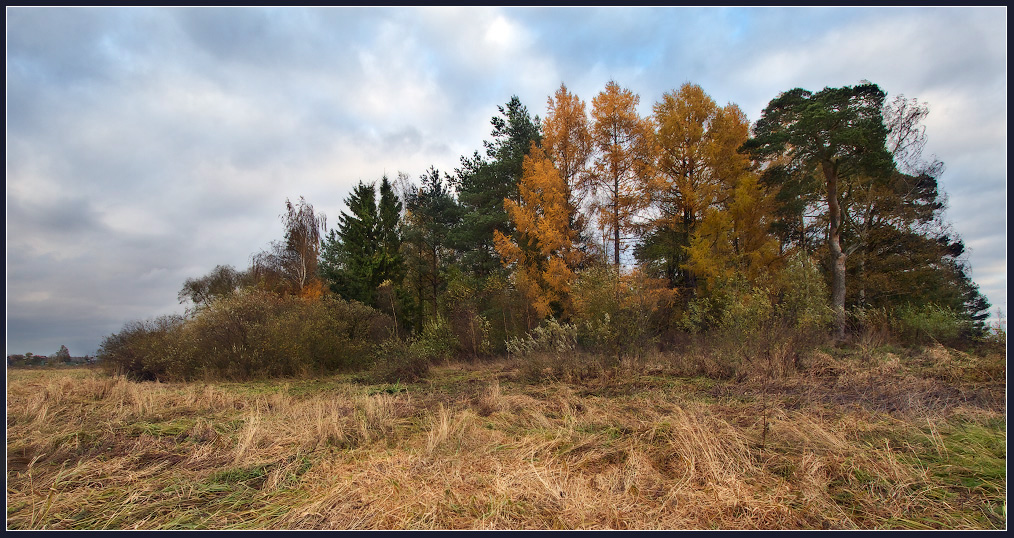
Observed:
{"x":854,"y":439}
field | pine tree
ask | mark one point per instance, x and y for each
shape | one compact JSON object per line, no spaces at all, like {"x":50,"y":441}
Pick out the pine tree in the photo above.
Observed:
{"x":431,"y":215}
{"x":837,"y":134}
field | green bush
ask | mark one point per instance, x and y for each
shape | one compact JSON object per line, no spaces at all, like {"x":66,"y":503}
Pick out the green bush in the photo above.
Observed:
{"x":619,"y":314}
{"x":437,"y":340}
{"x":410,"y":359}
{"x":740,"y":328}
{"x":803,"y":295}
{"x":926,"y":324}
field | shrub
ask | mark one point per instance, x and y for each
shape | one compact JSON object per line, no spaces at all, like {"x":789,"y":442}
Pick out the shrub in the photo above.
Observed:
{"x":471,"y":329}
{"x":803,"y":295}
{"x":995,"y":335}
{"x":619,"y":314}
{"x":551,"y":336}
{"x":147,"y":350}
{"x":252,"y":333}
{"x":437,"y":340}
{"x":740,"y":328}
{"x":399,"y":361}
{"x":921,"y":325}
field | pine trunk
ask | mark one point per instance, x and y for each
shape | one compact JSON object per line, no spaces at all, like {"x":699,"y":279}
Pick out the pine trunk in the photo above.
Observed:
{"x":834,"y":246}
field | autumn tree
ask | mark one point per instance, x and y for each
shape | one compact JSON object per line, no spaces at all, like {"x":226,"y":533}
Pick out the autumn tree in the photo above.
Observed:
{"x":62,"y":354}
{"x":302,"y":242}
{"x":541,"y":252}
{"x":624,"y":148}
{"x":698,"y":169}
{"x":290,"y":266}
{"x":734,"y":240}
{"x":483,"y":181}
{"x":567,"y":142}
{"x":221,"y":281}
{"x":839,"y":134}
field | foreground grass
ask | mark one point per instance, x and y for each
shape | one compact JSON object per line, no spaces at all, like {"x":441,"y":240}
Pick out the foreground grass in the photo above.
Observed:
{"x":854,"y":442}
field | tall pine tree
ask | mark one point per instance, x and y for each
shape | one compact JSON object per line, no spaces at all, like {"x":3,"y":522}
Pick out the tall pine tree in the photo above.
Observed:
{"x":431,"y":214}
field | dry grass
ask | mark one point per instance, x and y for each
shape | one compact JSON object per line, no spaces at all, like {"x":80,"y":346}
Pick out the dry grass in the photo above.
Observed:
{"x":477,"y":447}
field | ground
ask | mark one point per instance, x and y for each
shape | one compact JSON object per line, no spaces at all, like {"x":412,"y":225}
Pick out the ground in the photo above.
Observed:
{"x":889,"y":439}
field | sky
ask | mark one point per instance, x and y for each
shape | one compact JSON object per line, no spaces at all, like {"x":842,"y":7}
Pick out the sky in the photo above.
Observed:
{"x":146,"y":146}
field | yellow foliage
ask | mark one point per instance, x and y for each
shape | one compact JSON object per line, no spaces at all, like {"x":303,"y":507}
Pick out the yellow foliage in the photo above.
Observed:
{"x":567,"y":141}
{"x":625,"y":145}
{"x":542,"y":253}
{"x":313,"y":290}
{"x":735,"y":240}
{"x":698,"y":160}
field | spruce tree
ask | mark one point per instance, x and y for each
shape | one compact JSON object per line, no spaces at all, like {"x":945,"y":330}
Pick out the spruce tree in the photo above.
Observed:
{"x":484,"y":182}
{"x":352,"y":253}
{"x":392,"y":265}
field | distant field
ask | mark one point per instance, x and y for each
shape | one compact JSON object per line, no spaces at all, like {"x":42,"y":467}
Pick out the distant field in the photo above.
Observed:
{"x":908,"y":440}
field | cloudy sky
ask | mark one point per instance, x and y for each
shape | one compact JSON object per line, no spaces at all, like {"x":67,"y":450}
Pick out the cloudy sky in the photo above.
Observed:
{"x":147,"y":145}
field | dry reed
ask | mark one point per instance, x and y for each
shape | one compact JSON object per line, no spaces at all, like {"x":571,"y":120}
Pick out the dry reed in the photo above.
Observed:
{"x":91,"y":452}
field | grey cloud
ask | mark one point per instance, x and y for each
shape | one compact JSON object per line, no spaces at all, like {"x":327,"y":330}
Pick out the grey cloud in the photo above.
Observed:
{"x":58,"y":45}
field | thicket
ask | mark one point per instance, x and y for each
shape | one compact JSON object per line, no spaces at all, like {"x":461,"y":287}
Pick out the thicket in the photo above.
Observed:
{"x":251,"y":333}
{"x":727,"y":247}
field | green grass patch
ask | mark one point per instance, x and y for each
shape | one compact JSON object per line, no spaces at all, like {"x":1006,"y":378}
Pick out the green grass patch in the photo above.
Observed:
{"x":249,"y":476}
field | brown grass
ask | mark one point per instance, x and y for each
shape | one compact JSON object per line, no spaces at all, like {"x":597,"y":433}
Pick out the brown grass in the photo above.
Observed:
{"x":478,"y":447}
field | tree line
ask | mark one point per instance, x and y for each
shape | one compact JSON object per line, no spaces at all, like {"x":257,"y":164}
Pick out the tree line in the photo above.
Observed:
{"x":633,"y":232}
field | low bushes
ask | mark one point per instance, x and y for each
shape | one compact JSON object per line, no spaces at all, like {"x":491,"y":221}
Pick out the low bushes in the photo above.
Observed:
{"x":928,"y":324}
{"x":250,"y":334}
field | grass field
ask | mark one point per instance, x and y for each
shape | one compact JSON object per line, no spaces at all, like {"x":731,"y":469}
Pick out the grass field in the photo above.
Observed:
{"x":909,"y":440}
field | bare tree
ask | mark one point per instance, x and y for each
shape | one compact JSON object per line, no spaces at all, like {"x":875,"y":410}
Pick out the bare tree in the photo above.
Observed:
{"x":303,"y":231}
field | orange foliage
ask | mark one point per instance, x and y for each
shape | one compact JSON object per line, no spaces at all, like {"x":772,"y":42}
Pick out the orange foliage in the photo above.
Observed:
{"x":698,"y":161}
{"x":542,"y":252}
{"x":625,"y":150}
{"x":313,"y":290}
{"x":567,"y":141}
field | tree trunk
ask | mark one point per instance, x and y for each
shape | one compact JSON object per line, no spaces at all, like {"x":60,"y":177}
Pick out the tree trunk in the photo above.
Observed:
{"x":834,"y":246}
{"x":616,"y":220}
